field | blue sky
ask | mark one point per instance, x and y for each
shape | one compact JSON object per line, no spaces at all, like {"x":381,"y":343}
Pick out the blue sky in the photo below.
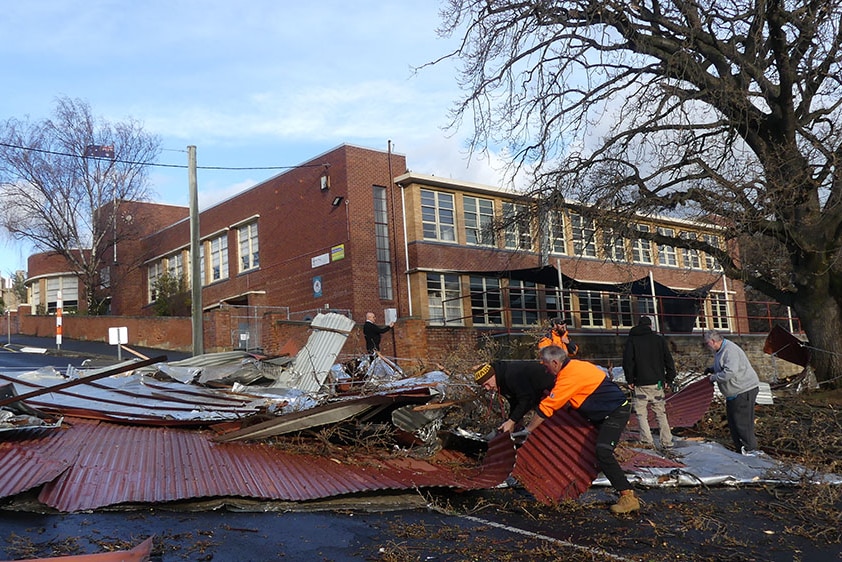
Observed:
{"x":250,"y":84}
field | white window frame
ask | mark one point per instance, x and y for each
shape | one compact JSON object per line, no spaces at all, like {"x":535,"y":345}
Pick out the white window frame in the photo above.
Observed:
{"x":641,"y":247}
{"x":584,"y":234}
{"x":486,"y":301}
{"x":154,"y":271}
{"x":667,"y":256}
{"x":526,"y":292}
{"x":517,"y":231}
{"x":438,"y":216}
{"x":558,"y":234}
{"x":248,"y":247}
{"x":479,"y":221}
{"x":591,"y":309}
{"x":614,"y":245}
{"x":711,"y":262}
{"x":691,"y":257}
{"x":217,"y":252}
{"x":444,"y":290}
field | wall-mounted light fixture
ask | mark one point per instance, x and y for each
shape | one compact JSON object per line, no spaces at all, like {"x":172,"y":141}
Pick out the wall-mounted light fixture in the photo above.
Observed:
{"x":337,"y":201}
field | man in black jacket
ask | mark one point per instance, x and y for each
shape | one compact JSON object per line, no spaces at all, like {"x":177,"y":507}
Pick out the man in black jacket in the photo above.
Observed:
{"x":372,"y":332}
{"x":649,"y":368}
{"x":522,"y":383}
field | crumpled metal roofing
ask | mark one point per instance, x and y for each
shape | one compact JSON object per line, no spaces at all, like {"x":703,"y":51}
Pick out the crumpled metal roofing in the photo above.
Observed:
{"x":136,"y":399}
{"x":781,"y":343}
{"x":558,"y":460}
{"x":312,"y":364}
{"x":90,"y":464}
{"x":329,"y":413}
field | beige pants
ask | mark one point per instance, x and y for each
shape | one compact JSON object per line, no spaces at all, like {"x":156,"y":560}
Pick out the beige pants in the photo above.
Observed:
{"x":651,"y":394}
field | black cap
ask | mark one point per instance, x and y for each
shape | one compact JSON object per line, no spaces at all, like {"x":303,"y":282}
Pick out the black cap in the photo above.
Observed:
{"x":645,"y":321}
{"x":558,"y":320}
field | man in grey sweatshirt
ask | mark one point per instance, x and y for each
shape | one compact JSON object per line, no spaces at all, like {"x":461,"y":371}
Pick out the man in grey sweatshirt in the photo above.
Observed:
{"x":739,"y":384}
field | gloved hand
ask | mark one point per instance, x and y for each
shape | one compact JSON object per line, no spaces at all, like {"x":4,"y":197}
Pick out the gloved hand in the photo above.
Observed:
{"x":708,"y":371}
{"x":519,"y":437}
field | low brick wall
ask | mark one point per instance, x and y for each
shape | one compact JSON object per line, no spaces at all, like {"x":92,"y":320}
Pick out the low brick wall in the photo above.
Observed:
{"x":156,"y":332}
{"x":410,"y":340}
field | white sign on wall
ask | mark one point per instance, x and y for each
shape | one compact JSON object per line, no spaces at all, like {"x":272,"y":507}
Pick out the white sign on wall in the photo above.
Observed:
{"x":319,"y":261}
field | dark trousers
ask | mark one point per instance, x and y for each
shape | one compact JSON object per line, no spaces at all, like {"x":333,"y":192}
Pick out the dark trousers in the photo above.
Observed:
{"x":740,"y":413}
{"x":610,"y":430}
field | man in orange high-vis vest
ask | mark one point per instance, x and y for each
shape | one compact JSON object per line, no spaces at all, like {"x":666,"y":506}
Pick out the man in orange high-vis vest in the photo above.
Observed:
{"x":559,"y":336}
{"x":585,"y":387}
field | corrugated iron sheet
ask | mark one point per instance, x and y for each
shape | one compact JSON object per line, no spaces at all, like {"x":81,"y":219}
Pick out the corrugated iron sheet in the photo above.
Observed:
{"x":558,"y":461}
{"x":24,"y":468}
{"x":312,"y":417}
{"x":89,"y":465}
{"x":312,"y":364}
{"x":138,"y":399}
{"x":781,"y":343}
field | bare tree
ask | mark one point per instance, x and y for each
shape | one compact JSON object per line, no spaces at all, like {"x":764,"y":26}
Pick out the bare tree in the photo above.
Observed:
{"x":63,"y":181}
{"x":721,"y":110}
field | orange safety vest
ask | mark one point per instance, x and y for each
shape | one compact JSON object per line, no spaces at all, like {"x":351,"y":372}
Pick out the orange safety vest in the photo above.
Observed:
{"x":554,"y":338}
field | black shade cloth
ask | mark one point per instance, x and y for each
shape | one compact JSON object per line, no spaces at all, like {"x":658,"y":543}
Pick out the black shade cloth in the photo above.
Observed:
{"x":677,"y":309}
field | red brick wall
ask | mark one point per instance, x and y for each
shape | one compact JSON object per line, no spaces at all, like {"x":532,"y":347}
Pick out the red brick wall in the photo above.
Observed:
{"x":158,"y":332}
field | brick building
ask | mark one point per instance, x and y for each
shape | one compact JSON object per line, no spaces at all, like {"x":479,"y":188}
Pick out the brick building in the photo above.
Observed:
{"x":352,"y":230}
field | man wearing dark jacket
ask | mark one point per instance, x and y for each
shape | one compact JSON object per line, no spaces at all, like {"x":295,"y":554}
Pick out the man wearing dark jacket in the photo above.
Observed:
{"x":522,"y":383}
{"x":372,"y":332}
{"x":649,"y":368}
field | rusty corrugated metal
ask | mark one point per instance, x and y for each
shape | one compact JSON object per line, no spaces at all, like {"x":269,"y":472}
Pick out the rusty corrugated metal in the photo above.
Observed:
{"x":97,"y":464}
{"x":23,"y":468}
{"x":312,"y":364}
{"x":684,"y":408}
{"x":558,"y":461}
{"x":781,"y":343}
{"x":631,"y":460}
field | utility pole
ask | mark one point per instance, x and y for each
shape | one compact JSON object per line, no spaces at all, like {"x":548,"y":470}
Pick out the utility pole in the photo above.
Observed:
{"x":195,"y":264}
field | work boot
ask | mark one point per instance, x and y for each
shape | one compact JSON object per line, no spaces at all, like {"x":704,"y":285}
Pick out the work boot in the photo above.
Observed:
{"x":627,"y":503}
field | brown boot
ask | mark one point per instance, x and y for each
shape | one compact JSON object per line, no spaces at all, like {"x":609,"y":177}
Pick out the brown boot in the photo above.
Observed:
{"x":627,"y":503}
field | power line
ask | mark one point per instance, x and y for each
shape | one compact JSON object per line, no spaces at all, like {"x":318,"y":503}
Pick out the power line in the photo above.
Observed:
{"x":157,"y":164}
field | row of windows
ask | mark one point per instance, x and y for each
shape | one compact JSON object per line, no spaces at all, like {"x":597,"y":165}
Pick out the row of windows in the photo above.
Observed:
{"x":67,"y":285}
{"x":213,"y":260}
{"x":526,"y":305}
{"x":439,"y":222}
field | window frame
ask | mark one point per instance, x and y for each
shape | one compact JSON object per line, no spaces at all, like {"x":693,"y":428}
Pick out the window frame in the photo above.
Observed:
{"x":250,"y":260}
{"x":583,"y":234}
{"x":438,"y":215}
{"x":479,"y":221}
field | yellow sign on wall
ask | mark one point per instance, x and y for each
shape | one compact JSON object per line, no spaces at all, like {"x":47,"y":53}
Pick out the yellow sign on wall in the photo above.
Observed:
{"x":337,"y":252}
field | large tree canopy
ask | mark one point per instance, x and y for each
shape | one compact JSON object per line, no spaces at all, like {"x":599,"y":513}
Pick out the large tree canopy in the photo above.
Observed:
{"x":64,"y":197}
{"x":725,"y":110}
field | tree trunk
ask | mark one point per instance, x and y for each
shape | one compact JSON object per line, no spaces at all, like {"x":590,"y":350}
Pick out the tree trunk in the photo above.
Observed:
{"x":821,"y":319}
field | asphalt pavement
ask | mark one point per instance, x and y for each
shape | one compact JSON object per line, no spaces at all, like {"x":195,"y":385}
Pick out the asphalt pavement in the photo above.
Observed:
{"x":101,"y":352}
